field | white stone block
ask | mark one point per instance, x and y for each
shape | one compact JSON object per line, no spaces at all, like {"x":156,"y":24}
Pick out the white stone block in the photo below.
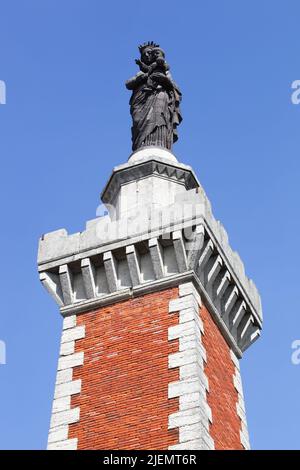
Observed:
{"x":133,"y":261}
{"x":182,"y":358}
{"x":189,"y":289}
{"x":61,"y":404}
{"x":245,"y":431}
{"x":73,"y":360}
{"x":69,"y":322}
{"x":189,"y":399}
{"x":181,"y":303}
{"x":185,"y":417}
{"x":66,"y":278}
{"x":201,"y":405}
{"x":67,"y":348}
{"x":111,"y":267}
{"x":68,"y":388}
{"x":194,"y":432}
{"x":68,"y":444}
{"x":72,"y":334}
{"x":189,"y":314}
{"x":51,"y":282}
{"x":65,"y":417}
{"x":88,"y":278}
{"x":244,"y":441}
{"x":207,"y":410}
{"x":58,"y":434}
{"x":180,"y":252}
{"x":194,"y":370}
{"x":193,"y":400}
{"x":63,"y":376}
{"x":156,"y":257}
{"x":208,"y":443}
{"x":241,"y":413}
{"x":190,"y":432}
{"x":235,"y":359}
{"x":184,"y":329}
{"x":188,"y":445}
{"x":238,"y":384}
{"x":188,"y":343}
{"x":241,"y":403}
{"x":182,"y":387}
{"x":192,"y":342}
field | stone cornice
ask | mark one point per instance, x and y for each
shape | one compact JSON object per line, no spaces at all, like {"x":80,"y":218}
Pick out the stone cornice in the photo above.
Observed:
{"x":157,"y":166}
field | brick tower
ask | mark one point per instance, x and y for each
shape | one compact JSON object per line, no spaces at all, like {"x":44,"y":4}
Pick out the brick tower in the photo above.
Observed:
{"x":157,"y":312}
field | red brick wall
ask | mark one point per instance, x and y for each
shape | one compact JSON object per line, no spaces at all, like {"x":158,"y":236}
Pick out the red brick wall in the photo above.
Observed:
{"x":222,"y":396}
{"x":124,"y":397}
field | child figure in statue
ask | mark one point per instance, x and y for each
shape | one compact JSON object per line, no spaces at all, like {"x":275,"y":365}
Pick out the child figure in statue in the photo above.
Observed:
{"x":158,"y":64}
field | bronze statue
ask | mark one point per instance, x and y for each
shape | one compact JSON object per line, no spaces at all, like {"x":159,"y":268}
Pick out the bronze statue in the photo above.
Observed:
{"x":154,"y":104}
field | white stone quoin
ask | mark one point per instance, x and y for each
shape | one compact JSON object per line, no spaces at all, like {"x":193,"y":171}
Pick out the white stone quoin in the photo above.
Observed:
{"x":194,"y":414}
{"x":65,"y":388}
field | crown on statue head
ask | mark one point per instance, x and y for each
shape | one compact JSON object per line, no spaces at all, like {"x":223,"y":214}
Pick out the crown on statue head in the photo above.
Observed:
{"x":150,"y":44}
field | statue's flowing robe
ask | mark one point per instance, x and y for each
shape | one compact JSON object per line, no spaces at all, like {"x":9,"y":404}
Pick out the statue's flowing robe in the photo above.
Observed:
{"x":155,"y":115}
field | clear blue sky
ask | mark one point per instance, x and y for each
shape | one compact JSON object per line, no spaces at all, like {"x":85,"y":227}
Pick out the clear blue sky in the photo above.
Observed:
{"x":66,"y":124}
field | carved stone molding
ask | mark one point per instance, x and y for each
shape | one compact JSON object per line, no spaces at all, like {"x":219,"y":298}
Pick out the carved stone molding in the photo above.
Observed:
{"x":141,"y":169}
